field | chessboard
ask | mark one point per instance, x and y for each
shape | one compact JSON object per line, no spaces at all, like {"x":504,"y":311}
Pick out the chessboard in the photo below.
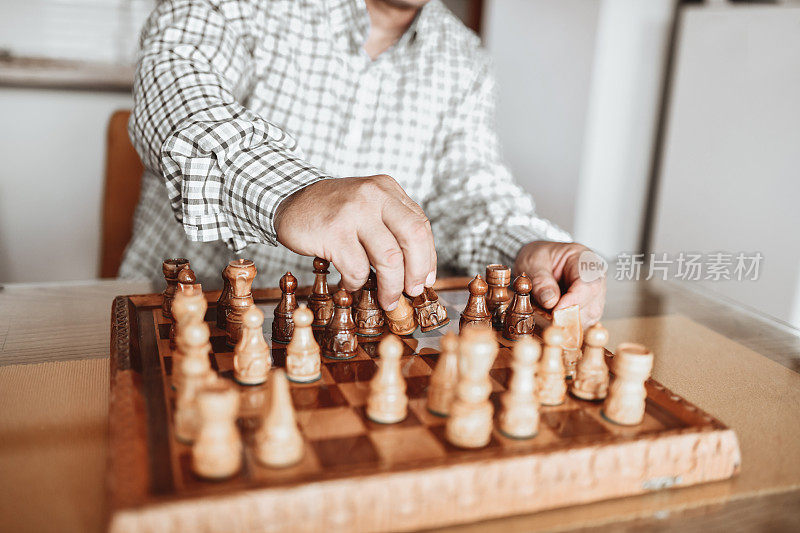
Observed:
{"x":358,"y":475}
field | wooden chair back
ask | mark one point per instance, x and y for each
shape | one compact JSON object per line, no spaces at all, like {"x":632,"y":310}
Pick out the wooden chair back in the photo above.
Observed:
{"x":123,"y":183}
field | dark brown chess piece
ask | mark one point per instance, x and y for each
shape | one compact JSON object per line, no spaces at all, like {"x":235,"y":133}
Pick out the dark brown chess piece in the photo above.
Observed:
{"x":368,"y":314}
{"x":186,"y":283}
{"x":475,"y":311}
{"x":223,"y":302}
{"x":240,"y":276}
{"x":171,"y":268}
{"x":340,"y":334}
{"x":283,"y":326}
{"x":518,"y":321}
{"x":429,"y":312}
{"x":320,"y":301}
{"x":499,"y":278}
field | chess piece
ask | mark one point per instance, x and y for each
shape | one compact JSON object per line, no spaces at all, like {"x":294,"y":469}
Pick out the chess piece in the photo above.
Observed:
{"x":282,"y":326}
{"x":499,"y":278}
{"x":193,"y":343}
{"x":442,"y":388}
{"x":217,"y":451}
{"x":430,"y":314}
{"x":186,"y":282}
{"x":170,"y":268}
{"x":320,"y":301}
{"x":569,"y":319}
{"x":518,"y":321}
{"x":188,"y":308}
{"x":519,"y":418}
{"x":368,"y":314}
{"x":302,"y":353}
{"x":278,"y":441}
{"x":401,"y":319}
{"x":196,"y":376}
{"x":470,"y":422}
{"x":387,"y":402}
{"x":476,"y":311}
{"x":626,"y":394}
{"x":551,"y":380}
{"x":340,"y":334}
{"x":251,"y":357}
{"x":224,"y":300}
{"x":591,"y":379}
{"x":240,"y":276}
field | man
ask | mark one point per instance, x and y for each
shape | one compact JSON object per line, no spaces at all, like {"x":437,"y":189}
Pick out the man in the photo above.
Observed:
{"x":352,"y":130}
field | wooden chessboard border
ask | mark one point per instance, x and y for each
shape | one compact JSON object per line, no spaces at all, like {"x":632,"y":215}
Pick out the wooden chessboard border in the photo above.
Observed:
{"x":482,"y":488}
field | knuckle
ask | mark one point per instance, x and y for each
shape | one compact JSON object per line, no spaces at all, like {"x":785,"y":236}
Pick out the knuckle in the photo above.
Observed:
{"x":392,"y":258}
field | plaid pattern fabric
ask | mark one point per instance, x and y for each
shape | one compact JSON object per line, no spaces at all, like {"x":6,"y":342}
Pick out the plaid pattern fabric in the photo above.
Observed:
{"x":240,"y":103}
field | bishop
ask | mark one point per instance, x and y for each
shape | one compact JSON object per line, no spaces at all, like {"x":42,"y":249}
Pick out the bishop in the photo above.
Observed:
{"x":282,"y":326}
{"x":320,"y":301}
{"x":476,"y":311}
{"x":278,"y":441}
{"x":340,"y":341}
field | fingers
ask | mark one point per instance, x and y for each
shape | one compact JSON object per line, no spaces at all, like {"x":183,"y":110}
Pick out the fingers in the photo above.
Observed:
{"x":590,"y":297}
{"x":415,"y":238}
{"x":545,"y":288}
{"x":352,"y":262}
{"x":387,"y":257}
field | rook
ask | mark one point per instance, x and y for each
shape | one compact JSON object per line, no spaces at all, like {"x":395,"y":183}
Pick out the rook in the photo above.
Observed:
{"x":499,"y":278}
{"x":626,"y":394}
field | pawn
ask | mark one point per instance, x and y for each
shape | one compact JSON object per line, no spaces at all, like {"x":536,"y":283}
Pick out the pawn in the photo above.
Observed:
{"x":217,"y":451}
{"x":320,"y":301}
{"x":368,"y":314}
{"x":193,"y":343}
{"x":251,"y":357}
{"x":401,"y":319}
{"x":282,"y":326}
{"x":278,"y":441}
{"x":429,"y":312}
{"x":470,"y":422}
{"x":340,"y":333}
{"x":187,"y":416}
{"x":387,"y":402}
{"x":442,"y":388}
{"x":551,"y":380}
{"x":240,"y":276}
{"x":302,"y":353}
{"x":591,"y":377}
{"x":171,"y":268}
{"x":518,"y":320}
{"x":519,"y":418}
{"x":186,"y":283}
{"x":476,"y":311}
{"x":626,"y":395}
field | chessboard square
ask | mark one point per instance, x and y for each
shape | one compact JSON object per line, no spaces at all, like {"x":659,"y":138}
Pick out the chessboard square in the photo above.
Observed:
{"x":420,"y":408}
{"x":219,"y":344}
{"x":501,"y":376}
{"x":544,"y":437}
{"x":573,"y":424}
{"x":355,"y":392}
{"x":224,"y":362}
{"x":316,"y":396}
{"x":410,"y":420}
{"x":413,"y":366}
{"x":351,"y":370}
{"x":163,"y":331}
{"x":168,"y":359}
{"x":330,"y":423}
{"x":417,"y":386}
{"x":569,"y":403}
{"x":504,"y":358}
{"x":345,"y":451}
{"x":278,"y":353}
{"x":407,"y":444}
{"x":211,"y":315}
{"x":659,"y":414}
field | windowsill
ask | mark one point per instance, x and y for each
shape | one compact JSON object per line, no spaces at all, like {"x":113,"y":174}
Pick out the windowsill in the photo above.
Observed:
{"x":44,"y":73}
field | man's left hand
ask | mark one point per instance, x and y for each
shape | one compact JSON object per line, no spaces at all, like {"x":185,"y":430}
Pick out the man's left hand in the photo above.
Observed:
{"x":553,"y":269}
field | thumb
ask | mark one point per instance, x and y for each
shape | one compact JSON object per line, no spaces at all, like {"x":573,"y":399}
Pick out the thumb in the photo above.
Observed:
{"x":545,"y":288}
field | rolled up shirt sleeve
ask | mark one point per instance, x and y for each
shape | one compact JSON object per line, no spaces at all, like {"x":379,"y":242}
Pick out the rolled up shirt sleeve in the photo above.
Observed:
{"x":479,"y":214}
{"x":226,"y":169}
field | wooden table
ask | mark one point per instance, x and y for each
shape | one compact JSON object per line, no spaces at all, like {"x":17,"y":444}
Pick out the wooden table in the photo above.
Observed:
{"x":740,"y":367}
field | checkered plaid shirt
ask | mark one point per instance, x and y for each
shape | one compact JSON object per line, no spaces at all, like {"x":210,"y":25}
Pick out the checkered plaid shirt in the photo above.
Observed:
{"x":240,"y":103}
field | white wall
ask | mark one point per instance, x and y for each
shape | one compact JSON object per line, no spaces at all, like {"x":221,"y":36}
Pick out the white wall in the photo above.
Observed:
{"x":543,"y":52}
{"x":52,"y":148}
{"x":730,"y":179}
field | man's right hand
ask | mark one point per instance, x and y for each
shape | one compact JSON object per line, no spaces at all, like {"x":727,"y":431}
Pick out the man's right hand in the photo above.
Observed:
{"x":358,"y":222}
